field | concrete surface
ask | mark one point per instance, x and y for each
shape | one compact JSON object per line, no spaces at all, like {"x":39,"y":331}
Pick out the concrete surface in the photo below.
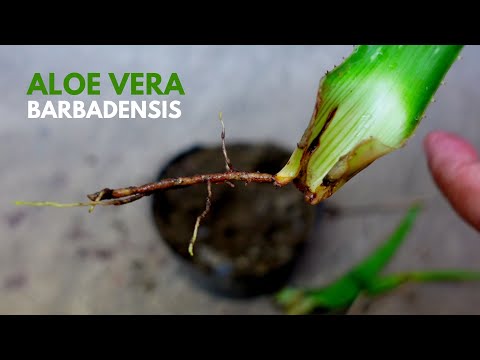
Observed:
{"x":68,"y":261}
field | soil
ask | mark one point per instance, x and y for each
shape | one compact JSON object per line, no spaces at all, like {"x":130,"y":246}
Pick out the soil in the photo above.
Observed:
{"x":248,"y":243}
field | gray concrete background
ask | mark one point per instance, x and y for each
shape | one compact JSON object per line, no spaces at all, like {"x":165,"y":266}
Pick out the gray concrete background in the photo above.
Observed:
{"x":68,"y":261}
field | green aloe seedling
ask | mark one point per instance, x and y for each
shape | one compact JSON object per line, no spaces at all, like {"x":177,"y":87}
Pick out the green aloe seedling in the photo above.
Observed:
{"x":365,"y":278}
{"x":365,"y":108}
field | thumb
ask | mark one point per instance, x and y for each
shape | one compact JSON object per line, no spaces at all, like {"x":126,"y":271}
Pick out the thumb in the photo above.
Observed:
{"x":455,"y":167}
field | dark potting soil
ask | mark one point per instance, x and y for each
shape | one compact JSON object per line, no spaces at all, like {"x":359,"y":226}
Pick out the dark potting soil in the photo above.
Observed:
{"x":253,"y":234}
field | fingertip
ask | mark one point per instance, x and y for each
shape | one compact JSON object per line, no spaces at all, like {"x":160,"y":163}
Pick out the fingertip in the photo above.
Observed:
{"x":431,"y":140}
{"x":448,"y":148}
{"x":455,"y":168}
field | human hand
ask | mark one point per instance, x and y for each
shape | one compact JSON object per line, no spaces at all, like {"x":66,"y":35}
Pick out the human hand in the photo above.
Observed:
{"x":455,"y":166}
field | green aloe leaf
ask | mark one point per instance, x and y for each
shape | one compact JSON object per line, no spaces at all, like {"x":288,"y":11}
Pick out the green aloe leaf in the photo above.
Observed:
{"x":368,"y":269}
{"x":390,"y":282}
{"x":342,"y":292}
{"x":366,"y":108}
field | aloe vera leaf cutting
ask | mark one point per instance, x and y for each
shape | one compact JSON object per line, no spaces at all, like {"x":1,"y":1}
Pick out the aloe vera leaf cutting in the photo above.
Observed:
{"x":365,"y":108}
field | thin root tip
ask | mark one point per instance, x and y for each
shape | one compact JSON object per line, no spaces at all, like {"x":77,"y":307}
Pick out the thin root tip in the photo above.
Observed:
{"x":190,"y":249}
{"x":29,"y":203}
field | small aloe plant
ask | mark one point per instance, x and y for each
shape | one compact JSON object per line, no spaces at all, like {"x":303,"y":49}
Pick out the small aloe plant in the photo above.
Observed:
{"x":365,"y":278}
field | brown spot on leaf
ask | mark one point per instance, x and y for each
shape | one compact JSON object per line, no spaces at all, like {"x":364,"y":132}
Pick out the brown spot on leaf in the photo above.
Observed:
{"x":314,"y":144}
{"x":300,"y":180}
{"x":310,"y":197}
{"x":330,"y":117}
{"x":306,"y":135}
